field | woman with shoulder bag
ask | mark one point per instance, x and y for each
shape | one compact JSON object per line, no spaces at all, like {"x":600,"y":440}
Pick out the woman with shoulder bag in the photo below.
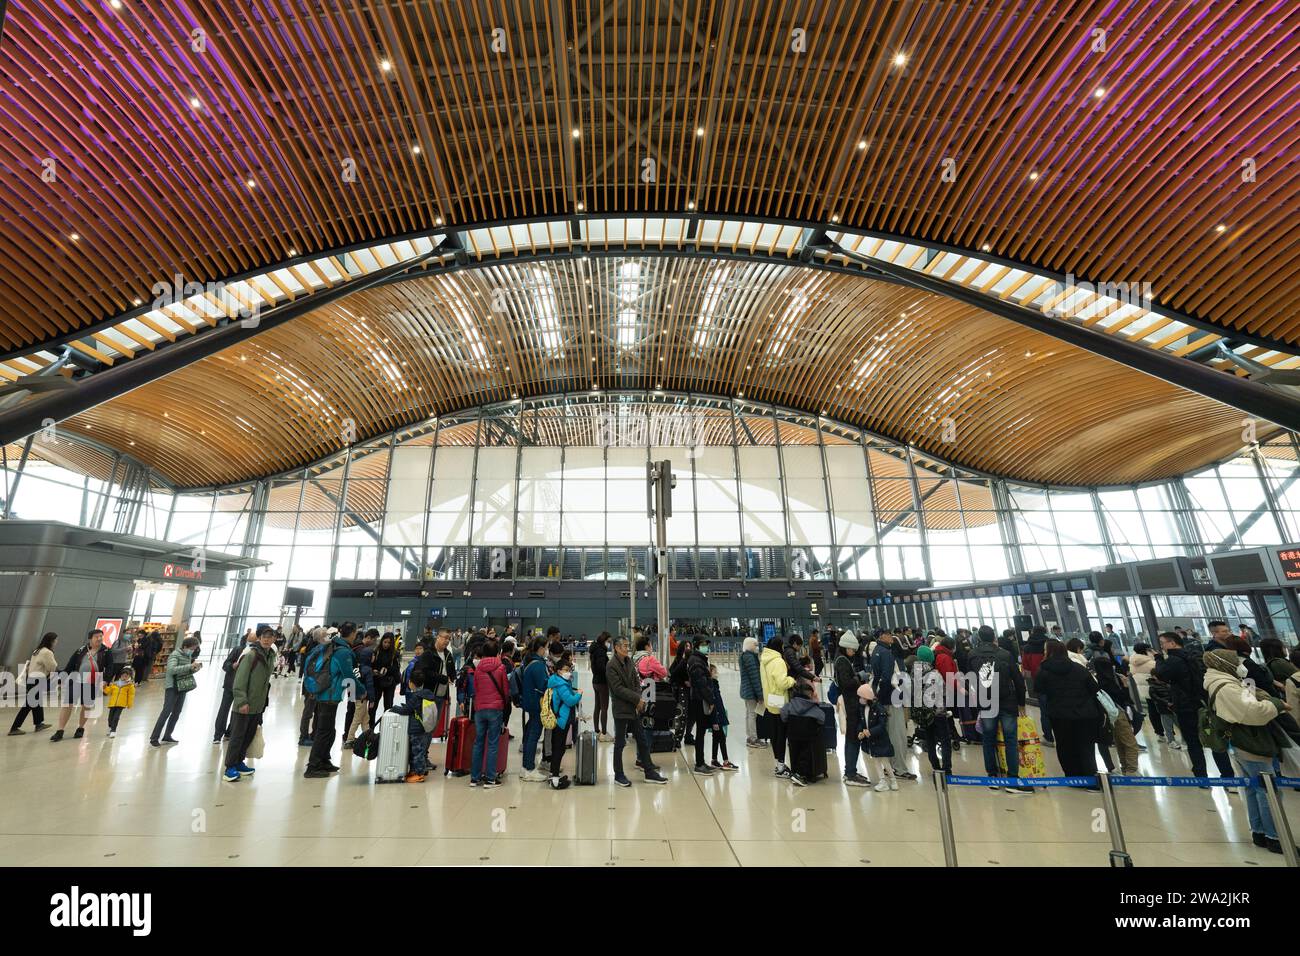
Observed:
{"x":178,"y":680}
{"x":36,"y":682}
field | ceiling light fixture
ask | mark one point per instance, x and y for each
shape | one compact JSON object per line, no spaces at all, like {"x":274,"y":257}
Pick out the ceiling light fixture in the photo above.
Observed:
{"x":1099,"y":92}
{"x":74,"y":236}
{"x":251,"y":183}
{"x":1220,"y":228}
{"x":986,"y":247}
{"x":577,"y":133}
{"x":1033,"y":176}
{"x":690,"y":204}
{"x":862,"y":144}
{"x":900,"y":59}
{"x":196,"y":103}
{"x":581,"y":207}
{"x":137,"y":302}
{"x":699,"y":132}
{"x":386,"y":65}
{"x":415,"y":150}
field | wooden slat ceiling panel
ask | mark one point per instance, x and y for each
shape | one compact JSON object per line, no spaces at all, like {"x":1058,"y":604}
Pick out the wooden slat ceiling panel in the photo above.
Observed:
{"x":952,"y":380}
{"x":163,"y":155}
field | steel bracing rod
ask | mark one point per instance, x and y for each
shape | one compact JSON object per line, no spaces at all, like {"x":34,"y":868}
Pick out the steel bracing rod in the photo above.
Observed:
{"x":100,"y":387}
{"x":1254,"y":399}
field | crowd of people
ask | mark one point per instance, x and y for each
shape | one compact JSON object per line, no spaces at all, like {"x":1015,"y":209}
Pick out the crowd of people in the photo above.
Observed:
{"x":902,"y":688}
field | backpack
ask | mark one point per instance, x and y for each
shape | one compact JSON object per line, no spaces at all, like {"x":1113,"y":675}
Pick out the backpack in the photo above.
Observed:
{"x":1211,"y":729}
{"x":549,"y":720}
{"x":319,"y":675}
{"x":986,"y":673}
{"x":516,"y":687}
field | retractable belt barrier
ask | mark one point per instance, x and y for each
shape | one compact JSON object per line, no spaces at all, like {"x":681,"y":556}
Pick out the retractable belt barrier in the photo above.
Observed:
{"x":1119,"y":855}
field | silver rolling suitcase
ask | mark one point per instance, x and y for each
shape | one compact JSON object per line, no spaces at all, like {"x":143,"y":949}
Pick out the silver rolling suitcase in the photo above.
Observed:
{"x":394,"y":748}
{"x":585,"y":770}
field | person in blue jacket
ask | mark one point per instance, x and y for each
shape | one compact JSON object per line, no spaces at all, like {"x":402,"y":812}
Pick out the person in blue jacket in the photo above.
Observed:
{"x":328,"y":676}
{"x":564,"y":703}
{"x":536,"y":674}
{"x":410,"y":666}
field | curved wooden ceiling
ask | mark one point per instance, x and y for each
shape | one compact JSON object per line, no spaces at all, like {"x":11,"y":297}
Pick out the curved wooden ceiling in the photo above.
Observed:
{"x":138,"y":149}
{"x":950,"y":379}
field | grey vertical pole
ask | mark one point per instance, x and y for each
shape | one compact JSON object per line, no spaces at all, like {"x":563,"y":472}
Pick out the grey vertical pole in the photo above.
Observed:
{"x":18,"y":476}
{"x":1118,"y":850}
{"x":945,"y":819}
{"x":658,"y":473}
{"x":631,"y":592}
{"x":1280,"y":822}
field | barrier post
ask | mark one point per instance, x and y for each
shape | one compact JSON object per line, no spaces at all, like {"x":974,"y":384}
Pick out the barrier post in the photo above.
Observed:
{"x":1118,"y":849}
{"x":945,"y":819}
{"x":1280,"y":822}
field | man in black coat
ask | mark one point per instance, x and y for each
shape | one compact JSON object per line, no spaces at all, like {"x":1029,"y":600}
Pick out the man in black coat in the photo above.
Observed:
{"x":1178,"y":673}
{"x":996,"y":673}
{"x":703,"y":708}
{"x":438,"y":668}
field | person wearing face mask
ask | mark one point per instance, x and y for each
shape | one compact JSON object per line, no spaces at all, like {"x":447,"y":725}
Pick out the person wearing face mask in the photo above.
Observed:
{"x":564,"y":704}
{"x":1246,"y":718}
{"x":180,"y":666}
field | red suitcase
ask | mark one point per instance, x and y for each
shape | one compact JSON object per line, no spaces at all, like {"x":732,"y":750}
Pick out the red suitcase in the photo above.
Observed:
{"x":440,"y":732}
{"x":460,"y":747}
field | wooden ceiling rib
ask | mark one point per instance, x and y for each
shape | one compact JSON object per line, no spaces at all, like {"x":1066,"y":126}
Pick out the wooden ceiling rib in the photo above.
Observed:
{"x":894,"y":360}
{"x":132,"y":156}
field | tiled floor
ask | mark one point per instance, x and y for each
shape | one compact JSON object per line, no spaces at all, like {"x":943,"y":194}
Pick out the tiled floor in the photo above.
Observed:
{"x":105,"y":802}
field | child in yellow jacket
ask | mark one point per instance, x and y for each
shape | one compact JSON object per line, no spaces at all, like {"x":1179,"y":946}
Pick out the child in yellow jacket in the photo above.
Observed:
{"x":120,"y":696}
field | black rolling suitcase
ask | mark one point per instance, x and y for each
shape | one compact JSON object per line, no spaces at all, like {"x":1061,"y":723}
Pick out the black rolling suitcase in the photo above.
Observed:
{"x":830,"y":736}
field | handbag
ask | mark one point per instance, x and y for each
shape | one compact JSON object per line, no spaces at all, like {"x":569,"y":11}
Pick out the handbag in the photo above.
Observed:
{"x":186,"y":683}
{"x":256,"y":746}
{"x":1108,"y":705}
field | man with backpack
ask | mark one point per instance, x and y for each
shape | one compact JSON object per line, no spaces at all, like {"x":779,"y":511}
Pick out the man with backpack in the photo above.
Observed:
{"x":885,"y":678}
{"x":251,"y":686}
{"x":1185,"y":683}
{"x":327,"y":675}
{"x":997,"y":673}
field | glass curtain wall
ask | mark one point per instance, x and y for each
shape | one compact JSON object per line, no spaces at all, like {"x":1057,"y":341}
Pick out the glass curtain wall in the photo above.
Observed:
{"x":554,"y":488}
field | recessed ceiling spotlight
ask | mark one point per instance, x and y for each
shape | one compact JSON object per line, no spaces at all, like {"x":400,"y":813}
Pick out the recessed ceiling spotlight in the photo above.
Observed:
{"x":699,"y":132}
{"x":1029,"y":355}
{"x":900,"y":59}
{"x":1220,"y":228}
{"x":74,"y":236}
{"x":576,"y":133}
{"x":659,"y":384}
{"x":115,"y":4}
{"x":292,"y":253}
{"x":251,"y":183}
{"x":438,"y":221}
{"x":415,"y":150}
{"x":835,"y":218}
{"x":196,"y":103}
{"x":1033,"y":176}
{"x":1099,"y":92}
{"x":581,"y":207}
{"x":690,"y":204}
{"x":862,"y":144}
{"x":986,"y":247}
{"x":137,"y":302}
{"x":740,"y":394}
{"x":386,"y":65}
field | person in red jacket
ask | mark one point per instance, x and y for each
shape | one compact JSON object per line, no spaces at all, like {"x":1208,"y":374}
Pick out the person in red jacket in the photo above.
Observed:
{"x":491,"y":692}
{"x":946,"y":664}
